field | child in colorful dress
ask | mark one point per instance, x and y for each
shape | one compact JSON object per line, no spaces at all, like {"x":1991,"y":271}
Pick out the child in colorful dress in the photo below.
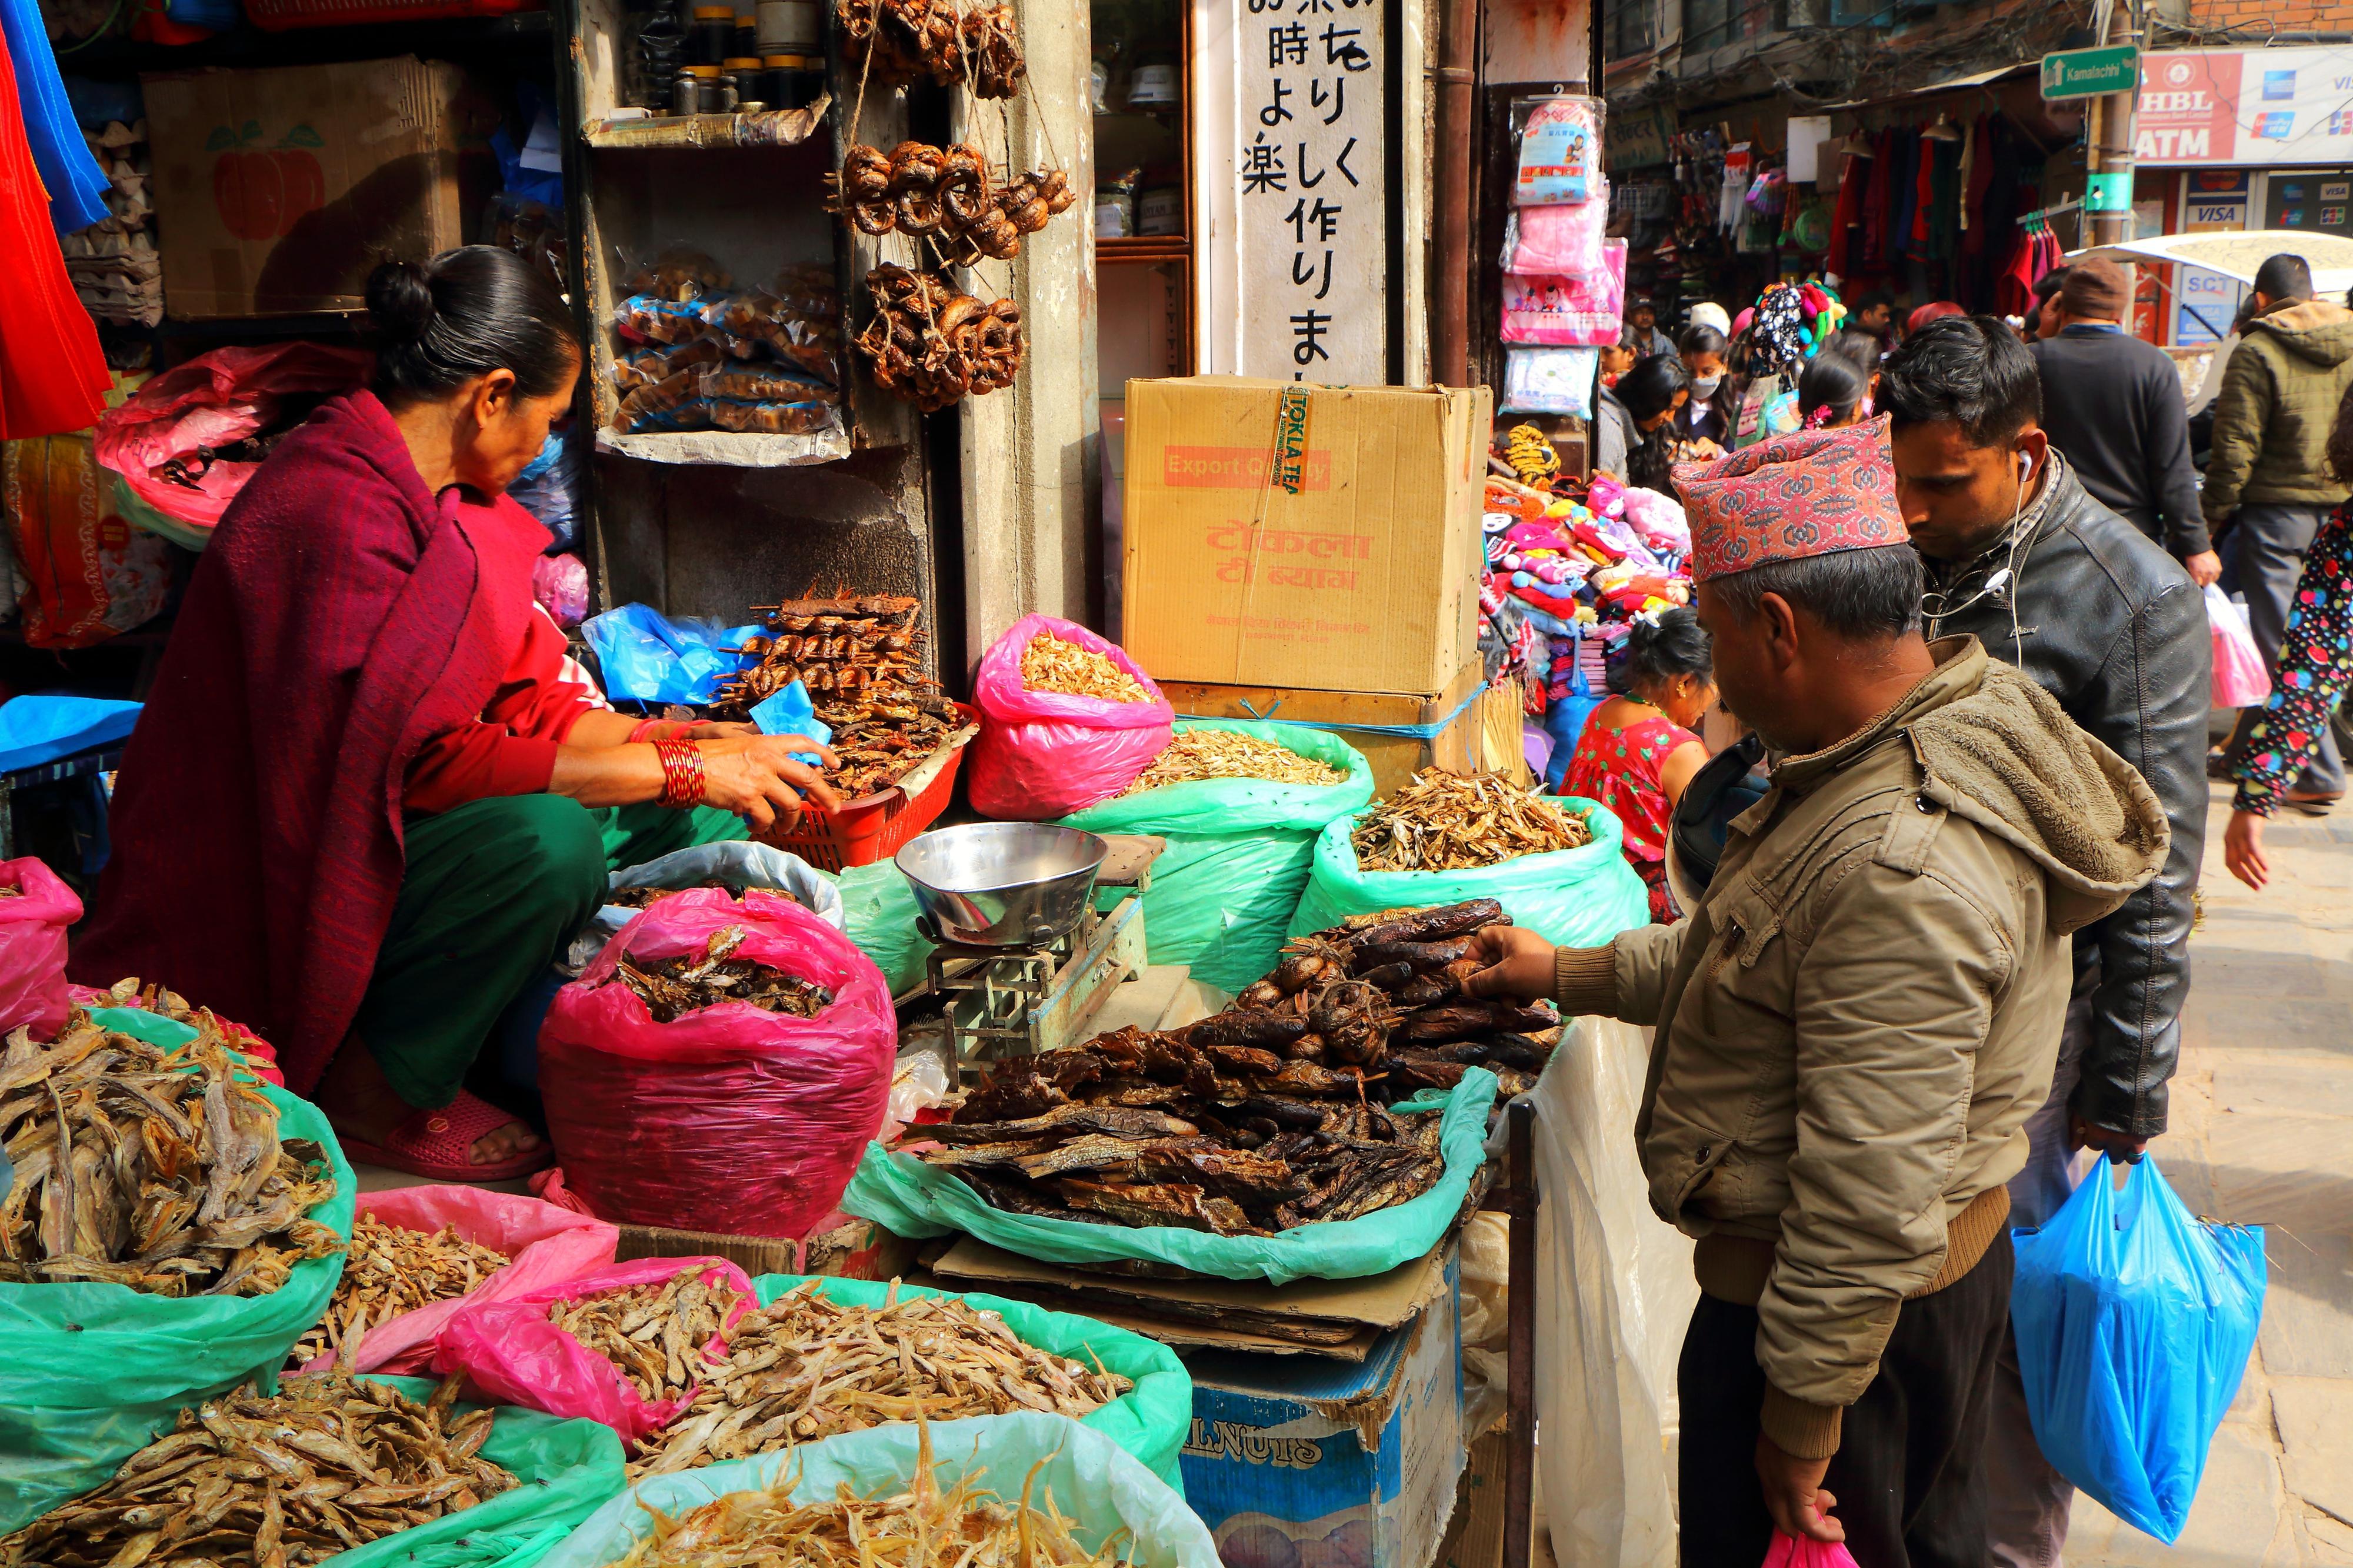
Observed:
{"x":1639,"y":751}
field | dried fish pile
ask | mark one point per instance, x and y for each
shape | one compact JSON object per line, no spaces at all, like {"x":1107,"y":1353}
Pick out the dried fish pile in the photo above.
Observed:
{"x":150,"y":1168}
{"x":645,"y":897}
{"x":1226,"y":754}
{"x":327,"y":1465}
{"x":1050,"y":664}
{"x":387,"y":1270}
{"x":1440,"y":821}
{"x":803,"y":1368}
{"x":672,"y":987}
{"x":1267,"y":1115}
{"x":924,"y":1527}
{"x":861,"y":659}
{"x":659,"y":1336}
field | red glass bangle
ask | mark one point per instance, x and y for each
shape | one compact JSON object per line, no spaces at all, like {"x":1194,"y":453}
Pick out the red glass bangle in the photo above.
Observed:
{"x":682,"y":778}
{"x":654,"y":730}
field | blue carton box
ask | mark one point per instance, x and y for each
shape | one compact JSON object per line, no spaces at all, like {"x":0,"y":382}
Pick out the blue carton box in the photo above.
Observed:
{"x":1299,"y":1461}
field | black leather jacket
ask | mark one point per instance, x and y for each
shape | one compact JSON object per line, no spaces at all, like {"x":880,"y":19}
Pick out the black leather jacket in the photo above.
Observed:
{"x":2114,"y":627}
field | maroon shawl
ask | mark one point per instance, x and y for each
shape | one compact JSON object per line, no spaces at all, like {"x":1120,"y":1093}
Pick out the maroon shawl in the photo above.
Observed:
{"x":341,"y":616}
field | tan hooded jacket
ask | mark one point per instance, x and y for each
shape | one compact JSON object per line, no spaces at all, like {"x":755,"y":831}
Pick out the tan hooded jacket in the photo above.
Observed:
{"x":1855,"y":1023}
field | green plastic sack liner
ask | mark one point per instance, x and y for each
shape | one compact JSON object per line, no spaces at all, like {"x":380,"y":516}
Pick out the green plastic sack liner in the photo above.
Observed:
{"x":91,"y":1372}
{"x":568,"y":1469}
{"x":908,"y":1197}
{"x":1239,"y":851}
{"x":1150,"y":1420}
{"x":1571,"y":898}
{"x":881,"y":911}
{"x":1097,"y":1485}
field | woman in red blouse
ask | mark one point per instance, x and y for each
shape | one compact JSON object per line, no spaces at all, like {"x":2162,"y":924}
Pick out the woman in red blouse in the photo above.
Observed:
{"x":363,"y":809}
{"x":1638,"y":749}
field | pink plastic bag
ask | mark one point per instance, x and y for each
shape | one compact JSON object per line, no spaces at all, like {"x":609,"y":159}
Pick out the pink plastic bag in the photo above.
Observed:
{"x":2240,"y":679}
{"x":732,"y":1119}
{"x":1579,"y":311}
{"x":1557,"y":240}
{"x":560,"y":584}
{"x":1789,"y":1552}
{"x":1042,"y":755}
{"x":510,"y":1353}
{"x":214,"y":400}
{"x":33,"y":947}
{"x":545,"y":1245}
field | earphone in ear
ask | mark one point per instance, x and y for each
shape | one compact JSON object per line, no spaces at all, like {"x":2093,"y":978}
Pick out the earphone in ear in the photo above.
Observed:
{"x":2025,"y":465}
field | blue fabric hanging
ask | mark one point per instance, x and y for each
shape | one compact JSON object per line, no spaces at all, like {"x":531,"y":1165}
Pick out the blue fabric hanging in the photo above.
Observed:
{"x":75,"y":184}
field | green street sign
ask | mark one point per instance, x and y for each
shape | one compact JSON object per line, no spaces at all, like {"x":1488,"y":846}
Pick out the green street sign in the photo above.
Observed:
{"x":2087,"y":73}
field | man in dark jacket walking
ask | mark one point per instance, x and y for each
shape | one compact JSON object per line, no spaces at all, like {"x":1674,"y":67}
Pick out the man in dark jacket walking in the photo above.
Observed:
{"x":2268,"y":480}
{"x":2113,"y":405}
{"x":2019,"y":554}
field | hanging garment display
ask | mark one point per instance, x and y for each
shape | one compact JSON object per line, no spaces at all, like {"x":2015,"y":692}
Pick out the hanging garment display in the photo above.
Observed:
{"x":53,"y":377}
{"x":75,"y":184}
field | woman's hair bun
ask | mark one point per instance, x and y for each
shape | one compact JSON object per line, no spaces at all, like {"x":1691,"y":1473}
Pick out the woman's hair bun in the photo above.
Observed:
{"x":400,"y":301}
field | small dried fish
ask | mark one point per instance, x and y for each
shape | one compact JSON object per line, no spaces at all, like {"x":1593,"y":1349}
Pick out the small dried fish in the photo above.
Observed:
{"x":390,"y":1270}
{"x":673,"y":987}
{"x":658,"y":1336}
{"x":643,"y":898}
{"x":327,"y":1465}
{"x":924,"y":1527}
{"x":803,"y":1368}
{"x":1226,"y":754}
{"x":1050,"y":664}
{"x":1439,"y":821}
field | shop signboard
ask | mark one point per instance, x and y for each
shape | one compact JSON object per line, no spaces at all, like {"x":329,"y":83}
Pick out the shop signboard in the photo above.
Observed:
{"x":1635,"y":139}
{"x":2252,"y":108}
{"x":1311,"y":192}
{"x":2314,"y":199}
{"x":2088,"y":73}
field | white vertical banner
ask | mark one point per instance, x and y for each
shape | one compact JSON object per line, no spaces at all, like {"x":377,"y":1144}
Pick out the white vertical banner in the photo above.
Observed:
{"x":1310,"y":182}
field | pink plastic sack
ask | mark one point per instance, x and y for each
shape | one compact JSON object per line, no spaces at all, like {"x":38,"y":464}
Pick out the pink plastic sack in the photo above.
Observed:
{"x":732,"y":1119}
{"x":33,"y":922}
{"x":510,"y":1353}
{"x":560,"y":584}
{"x":1567,"y":311}
{"x":545,"y":1245}
{"x":1042,"y":755}
{"x":1789,"y":1552}
{"x":2240,"y":679}
{"x":213,"y":401}
{"x":1544,"y":241}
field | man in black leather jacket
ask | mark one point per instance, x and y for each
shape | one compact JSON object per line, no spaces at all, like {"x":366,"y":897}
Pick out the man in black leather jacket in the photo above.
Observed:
{"x":2022,"y":556}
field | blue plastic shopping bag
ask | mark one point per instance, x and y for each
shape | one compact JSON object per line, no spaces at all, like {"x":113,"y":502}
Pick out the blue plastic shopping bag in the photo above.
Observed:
{"x":2134,"y":1324}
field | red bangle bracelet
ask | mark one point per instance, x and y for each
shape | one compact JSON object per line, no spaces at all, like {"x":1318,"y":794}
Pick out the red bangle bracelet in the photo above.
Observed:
{"x":682,"y":778}
{"x":650,"y":730}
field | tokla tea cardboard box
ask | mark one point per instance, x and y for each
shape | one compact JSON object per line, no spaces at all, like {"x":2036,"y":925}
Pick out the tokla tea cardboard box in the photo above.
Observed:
{"x":1287,"y":536}
{"x":279,"y":191}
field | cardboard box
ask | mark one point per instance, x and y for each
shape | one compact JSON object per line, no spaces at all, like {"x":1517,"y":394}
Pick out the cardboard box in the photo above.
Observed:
{"x":279,"y":191}
{"x":1457,"y":713}
{"x":854,"y":1249}
{"x":1297,"y":1460}
{"x":1474,"y":1538}
{"x":1278,"y":534}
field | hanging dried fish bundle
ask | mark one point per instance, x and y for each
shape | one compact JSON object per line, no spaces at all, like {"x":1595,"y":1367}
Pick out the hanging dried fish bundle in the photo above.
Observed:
{"x":672,"y":987}
{"x":932,"y":346}
{"x":905,"y":41}
{"x":1228,"y":754}
{"x":387,"y":1270}
{"x":949,"y":194}
{"x":924,"y":1527}
{"x":152,"y":1169}
{"x":327,"y":1465}
{"x":659,"y":1336}
{"x":804,"y":1367}
{"x":1050,"y":664}
{"x":1439,"y":821}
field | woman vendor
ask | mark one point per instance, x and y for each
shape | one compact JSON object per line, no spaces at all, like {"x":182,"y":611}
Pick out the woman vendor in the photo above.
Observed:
{"x":362,"y":810}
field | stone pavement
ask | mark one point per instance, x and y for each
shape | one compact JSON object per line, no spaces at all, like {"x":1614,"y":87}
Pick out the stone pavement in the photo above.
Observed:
{"x":2263,"y":1133}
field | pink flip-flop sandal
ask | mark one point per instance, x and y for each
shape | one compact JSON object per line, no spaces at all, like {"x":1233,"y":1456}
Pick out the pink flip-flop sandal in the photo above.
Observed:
{"x":436,"y":1144}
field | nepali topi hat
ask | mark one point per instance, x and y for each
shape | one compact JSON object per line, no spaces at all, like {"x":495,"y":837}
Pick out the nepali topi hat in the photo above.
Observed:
{"x":1812,"y":492}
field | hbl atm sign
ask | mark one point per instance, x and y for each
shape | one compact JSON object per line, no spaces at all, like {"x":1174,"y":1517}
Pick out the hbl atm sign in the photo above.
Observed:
{"x":2088,"y":73}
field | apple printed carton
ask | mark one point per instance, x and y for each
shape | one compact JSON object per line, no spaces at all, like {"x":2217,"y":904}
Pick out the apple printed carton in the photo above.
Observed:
{"x":277,"y":191}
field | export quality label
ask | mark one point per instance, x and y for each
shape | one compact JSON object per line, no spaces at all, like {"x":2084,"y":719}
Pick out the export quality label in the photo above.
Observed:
{"x":1239,"y":469}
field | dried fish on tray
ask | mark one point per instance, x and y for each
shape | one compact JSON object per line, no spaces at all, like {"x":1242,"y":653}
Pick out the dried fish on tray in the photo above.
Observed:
{"x":1050,"y":664}
{"x":387,"y":1270}
{"x":656,"y":1336}
{"x":924,"y":1527}
{"x":672,"y":987}
{"x":804,"y":1367}
{"x":1439,"y":821}
{"x":152,"y":1169}
{"x":1230,"y":754}
{"x":329,"y":1464}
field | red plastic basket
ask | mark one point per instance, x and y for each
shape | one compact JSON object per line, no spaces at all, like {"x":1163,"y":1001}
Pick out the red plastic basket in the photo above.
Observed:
{"x":876,"y":826}
{"x":279,"y":14}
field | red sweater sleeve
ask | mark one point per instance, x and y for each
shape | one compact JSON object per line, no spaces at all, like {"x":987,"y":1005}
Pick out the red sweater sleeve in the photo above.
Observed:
{"x":510,"y":749}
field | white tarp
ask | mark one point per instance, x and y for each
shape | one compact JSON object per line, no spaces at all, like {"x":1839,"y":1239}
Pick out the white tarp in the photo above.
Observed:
{"x":2237,"y":255}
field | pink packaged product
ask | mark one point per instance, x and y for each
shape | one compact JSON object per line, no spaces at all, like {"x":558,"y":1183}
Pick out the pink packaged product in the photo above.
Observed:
{"x":1570,"y":311}
{"x":1565,"y":240}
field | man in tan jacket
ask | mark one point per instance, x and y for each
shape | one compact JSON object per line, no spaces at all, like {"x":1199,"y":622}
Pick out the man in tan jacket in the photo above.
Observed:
{"x":1855,"y":1024}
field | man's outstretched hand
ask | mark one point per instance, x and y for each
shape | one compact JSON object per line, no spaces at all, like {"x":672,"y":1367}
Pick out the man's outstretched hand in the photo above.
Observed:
{"x":1517,"y":965}
{"x":1794,"y":1495}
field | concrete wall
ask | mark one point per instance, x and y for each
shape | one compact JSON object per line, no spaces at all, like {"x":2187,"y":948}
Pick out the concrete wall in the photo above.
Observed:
{"x":1536,"y":40}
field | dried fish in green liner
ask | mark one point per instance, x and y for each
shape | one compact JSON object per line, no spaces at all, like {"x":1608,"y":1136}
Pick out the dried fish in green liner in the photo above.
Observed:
{"x":655,"y":1335}
{"x":1439,"y":821}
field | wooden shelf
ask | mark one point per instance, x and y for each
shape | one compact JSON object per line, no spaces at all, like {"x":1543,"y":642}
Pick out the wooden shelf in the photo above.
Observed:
{"x":1145,"y":247}
{"x":771,"y":128}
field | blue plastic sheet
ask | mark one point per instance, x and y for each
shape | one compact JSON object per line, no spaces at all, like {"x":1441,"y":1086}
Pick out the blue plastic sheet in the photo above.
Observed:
{"x":2134,"y":1324}
{"x":37,"y":730}
{"x":649,"y":658}
{"x":790,"y":712}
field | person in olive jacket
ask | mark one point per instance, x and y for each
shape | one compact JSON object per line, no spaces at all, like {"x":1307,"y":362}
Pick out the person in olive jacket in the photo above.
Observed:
{"x":1855,"y":1024}
{"x":2021,"y":555}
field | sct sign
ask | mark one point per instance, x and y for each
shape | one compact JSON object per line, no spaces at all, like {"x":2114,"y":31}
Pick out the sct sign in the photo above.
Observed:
{"x":2087,"y":73}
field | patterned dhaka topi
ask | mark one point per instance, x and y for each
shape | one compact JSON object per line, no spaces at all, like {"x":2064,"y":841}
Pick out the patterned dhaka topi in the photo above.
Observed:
{"x":1807,"y":493}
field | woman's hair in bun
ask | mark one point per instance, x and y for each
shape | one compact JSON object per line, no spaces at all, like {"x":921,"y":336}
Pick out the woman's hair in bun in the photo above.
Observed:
{"x":466,"y":312}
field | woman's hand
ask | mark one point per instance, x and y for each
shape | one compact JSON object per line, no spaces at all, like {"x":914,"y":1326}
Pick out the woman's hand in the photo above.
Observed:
{"x":754,"y":776}
{"x":2243,"y":849}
